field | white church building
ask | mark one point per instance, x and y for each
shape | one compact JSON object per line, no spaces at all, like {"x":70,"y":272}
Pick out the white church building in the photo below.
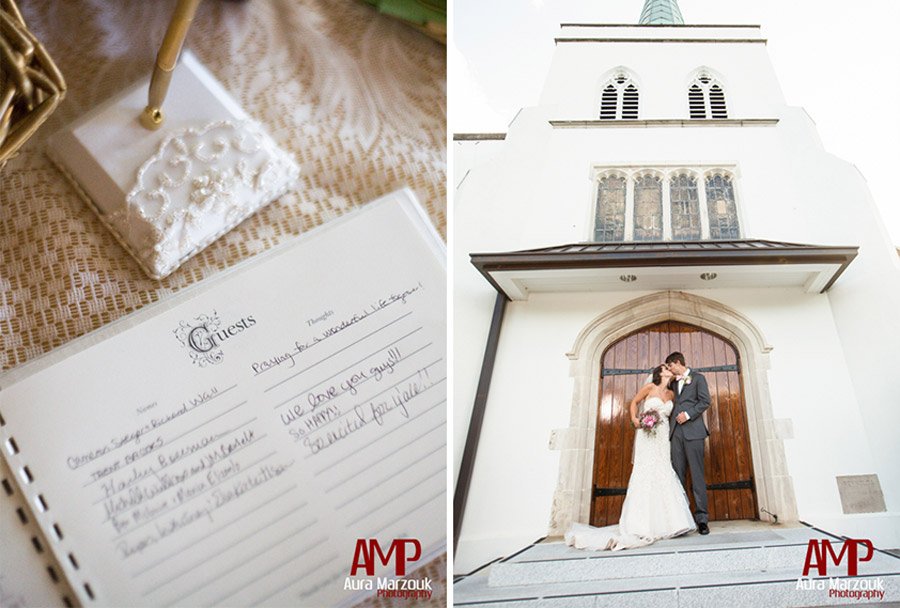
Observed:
{"x":662,"y":196}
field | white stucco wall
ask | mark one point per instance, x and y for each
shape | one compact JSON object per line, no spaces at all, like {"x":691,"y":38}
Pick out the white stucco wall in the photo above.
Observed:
{"x":471,"y":153}
{"x":833,"y":355}
{"x":516,"y":473}
{"x":663,"y":72}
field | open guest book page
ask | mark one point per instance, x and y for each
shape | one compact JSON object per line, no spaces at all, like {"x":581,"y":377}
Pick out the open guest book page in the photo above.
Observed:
{"x":231,"y":445}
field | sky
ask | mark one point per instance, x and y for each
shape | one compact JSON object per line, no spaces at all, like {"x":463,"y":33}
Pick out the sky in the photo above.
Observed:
{"x":838,"y":60}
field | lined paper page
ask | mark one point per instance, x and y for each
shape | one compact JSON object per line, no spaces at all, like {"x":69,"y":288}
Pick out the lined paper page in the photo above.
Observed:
{"x":231,"y":449}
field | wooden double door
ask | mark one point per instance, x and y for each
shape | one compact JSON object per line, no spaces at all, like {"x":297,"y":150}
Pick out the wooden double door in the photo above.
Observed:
{"x":625,"y":367}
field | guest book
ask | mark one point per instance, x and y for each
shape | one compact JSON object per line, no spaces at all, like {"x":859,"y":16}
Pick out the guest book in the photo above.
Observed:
{"x":233,"y":444}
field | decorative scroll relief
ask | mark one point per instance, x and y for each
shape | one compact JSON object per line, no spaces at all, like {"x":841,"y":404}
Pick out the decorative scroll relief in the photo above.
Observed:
{"x":200,"y":184}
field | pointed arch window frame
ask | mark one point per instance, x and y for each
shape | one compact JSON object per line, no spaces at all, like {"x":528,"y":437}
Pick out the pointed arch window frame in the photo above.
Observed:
{"x":622,"y":81}
{"x":699,"y":173}
{"x":689,"y":184}
{"x":649,"y":180}
{"x":600,"y":215}
{"x":706,"y":92}
{"x":716,"y":229}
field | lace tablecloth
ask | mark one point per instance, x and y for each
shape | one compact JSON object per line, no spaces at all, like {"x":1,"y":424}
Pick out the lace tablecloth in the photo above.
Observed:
{"x":359,"y":98}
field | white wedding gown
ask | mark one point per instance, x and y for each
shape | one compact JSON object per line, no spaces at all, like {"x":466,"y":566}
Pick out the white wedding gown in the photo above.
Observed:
{"x":655,"y":506}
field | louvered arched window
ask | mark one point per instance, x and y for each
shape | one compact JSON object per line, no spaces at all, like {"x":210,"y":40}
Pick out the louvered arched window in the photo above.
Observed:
{"x":706,"y":98}
{"x":609,"y":102}
{"x":620,"y":98}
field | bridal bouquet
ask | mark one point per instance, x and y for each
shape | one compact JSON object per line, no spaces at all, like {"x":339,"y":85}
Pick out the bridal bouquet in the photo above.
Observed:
{"x":649,"y":421}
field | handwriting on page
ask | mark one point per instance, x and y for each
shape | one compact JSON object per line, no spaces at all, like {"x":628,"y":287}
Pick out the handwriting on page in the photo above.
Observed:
{"x":191,"y":478}
{"x":154,"y":480}
{"x":384,"y":383}
{"x":330,"y":409}
{"x":288,"y":357}
{"x":192,"y":481}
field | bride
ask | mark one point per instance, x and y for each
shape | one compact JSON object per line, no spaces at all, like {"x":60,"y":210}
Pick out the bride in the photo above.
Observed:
{"x":655,"y":506}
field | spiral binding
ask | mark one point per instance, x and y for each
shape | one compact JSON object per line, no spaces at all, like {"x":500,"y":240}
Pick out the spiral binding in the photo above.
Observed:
{"x":26,"y":478}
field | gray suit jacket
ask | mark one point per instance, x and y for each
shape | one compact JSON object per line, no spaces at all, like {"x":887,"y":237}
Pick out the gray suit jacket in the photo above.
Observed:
{"x":694,"y":399}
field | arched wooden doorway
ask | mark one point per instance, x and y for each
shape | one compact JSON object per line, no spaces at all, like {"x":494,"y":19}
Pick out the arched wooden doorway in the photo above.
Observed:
{"x":626,"y":364}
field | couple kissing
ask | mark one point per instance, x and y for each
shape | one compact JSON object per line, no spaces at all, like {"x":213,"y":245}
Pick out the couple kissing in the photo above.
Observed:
{"x":667,"y":414}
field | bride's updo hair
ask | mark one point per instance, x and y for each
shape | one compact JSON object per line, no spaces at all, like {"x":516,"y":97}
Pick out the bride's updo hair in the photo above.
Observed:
{"x":657,"y":375}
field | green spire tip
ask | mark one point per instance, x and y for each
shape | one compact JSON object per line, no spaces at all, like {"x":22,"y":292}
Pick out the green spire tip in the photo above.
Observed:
{"x":661,"y":12}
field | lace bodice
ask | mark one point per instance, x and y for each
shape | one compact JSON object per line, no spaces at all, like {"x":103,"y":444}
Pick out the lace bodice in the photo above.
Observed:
{"x":652,"y":449}
{"x":655,"y":403}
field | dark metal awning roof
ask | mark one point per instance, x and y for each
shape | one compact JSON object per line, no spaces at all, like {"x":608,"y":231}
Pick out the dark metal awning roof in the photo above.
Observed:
{"x":653,"y":265}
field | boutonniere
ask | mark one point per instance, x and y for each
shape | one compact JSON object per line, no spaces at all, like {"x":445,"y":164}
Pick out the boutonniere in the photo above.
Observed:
{"x":687,"y":380}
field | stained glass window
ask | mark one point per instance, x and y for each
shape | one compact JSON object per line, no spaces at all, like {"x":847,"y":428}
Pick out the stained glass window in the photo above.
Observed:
{"x":723,"y":222}
{"x":648,"y":208}
{"x":685,"y":208}
{"x":610,"y":220}
{"x":634,"y":207}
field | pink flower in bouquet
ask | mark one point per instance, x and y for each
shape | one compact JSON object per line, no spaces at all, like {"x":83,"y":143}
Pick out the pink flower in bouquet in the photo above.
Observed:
{"x":649,"y":421}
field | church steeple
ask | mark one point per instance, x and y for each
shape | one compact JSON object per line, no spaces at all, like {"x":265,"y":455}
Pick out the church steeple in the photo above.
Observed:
{"x":661,"y":12}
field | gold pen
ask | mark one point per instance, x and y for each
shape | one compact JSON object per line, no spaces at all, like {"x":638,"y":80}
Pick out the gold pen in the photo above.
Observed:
{"x":166,"y":59}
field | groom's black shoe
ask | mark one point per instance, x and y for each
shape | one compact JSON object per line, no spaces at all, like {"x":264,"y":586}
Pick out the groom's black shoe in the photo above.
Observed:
{"x":702,"y":528}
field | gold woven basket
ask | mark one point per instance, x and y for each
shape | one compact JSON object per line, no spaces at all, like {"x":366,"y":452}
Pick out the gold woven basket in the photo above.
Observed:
{"x":31,"y":86}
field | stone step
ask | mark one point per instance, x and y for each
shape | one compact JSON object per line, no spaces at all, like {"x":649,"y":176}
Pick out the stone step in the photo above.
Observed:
{"x":595,"y":565}
{"x":755,"y":536}
{"x":713,"y":590}
{"x":747,"y":564}
{"x":754,"y":550}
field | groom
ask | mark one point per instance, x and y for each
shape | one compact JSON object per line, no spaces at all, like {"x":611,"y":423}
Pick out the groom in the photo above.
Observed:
{"x":688,"y":435}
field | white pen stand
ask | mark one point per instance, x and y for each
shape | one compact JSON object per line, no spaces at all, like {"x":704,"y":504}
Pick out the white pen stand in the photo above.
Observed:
{"x":167,"y":194}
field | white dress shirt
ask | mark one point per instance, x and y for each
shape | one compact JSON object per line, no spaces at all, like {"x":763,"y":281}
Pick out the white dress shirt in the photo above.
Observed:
{"x":681,"y":386}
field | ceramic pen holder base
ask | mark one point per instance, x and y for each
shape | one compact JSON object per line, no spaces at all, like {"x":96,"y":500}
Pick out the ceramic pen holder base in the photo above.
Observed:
{"x":167,"y":194}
